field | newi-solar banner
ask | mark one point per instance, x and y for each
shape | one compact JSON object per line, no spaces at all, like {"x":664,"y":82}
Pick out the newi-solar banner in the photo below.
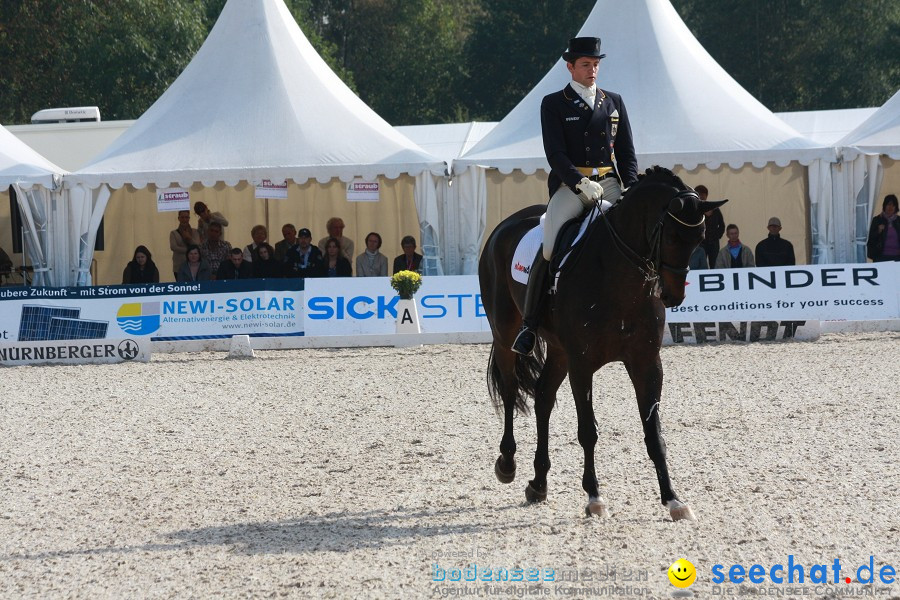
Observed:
{"x":162,"y":311}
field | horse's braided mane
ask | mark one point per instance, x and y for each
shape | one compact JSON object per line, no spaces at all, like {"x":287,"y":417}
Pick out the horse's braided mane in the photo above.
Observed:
{"x":657,"y":174}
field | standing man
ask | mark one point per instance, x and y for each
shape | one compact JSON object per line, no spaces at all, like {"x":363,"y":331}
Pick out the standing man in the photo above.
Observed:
{"x":734,"y":255}
{"x":215,"y":250}
{"x":335,"y":228}
{"x":290,"y":240}
{"x":207,"y":218}
{"x":775,"y":251}
{"x":587,"y":140}
{"x":181,"y":238}
{"x":715,"y":227}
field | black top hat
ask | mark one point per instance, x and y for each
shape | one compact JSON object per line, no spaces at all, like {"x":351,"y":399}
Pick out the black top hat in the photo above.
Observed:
{"x":583,"y":46}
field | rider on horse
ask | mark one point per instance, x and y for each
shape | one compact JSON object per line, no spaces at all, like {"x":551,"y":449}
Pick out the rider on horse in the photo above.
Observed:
{"x":587,"y":140}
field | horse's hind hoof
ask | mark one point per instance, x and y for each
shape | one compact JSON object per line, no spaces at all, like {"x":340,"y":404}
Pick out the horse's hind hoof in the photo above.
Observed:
{"x":532,"y":495}
{"x":597,"y":507}
{"x":505,"y":476}
{"x":680,"y":511}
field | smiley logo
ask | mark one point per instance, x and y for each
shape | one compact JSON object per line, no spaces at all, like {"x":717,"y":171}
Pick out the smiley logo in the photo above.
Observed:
{"x":682,"y":573}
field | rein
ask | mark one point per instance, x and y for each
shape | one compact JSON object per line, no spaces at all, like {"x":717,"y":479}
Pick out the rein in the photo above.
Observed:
{"x":650,"y":267}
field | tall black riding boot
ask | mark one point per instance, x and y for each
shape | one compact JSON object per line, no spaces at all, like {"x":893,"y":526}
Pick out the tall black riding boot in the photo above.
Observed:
{"x":534,"y":300}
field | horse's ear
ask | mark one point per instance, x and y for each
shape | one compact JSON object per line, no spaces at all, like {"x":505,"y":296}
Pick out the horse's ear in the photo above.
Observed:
{"x":706,"y":206}
{"x":676,"y":204}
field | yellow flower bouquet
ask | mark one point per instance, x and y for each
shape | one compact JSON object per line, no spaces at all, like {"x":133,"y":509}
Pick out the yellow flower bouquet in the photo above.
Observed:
{"x":406,"y":283}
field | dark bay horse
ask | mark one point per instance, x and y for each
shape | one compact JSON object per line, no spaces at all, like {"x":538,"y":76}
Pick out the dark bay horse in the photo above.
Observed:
{"x":609,"y":306}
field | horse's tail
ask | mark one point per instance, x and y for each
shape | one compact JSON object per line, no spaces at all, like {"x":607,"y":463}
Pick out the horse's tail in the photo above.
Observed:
{"x":527,"y":371}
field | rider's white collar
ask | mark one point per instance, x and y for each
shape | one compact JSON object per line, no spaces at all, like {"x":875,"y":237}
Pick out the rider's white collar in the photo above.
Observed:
{"x":588,"y":93}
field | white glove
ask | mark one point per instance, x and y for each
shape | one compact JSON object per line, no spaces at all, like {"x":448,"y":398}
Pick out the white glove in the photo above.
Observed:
{"x":590,"y":191}
{"x":612,"y":190}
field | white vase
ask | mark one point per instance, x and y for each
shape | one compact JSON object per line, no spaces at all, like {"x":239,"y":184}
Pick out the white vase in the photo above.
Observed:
{"x":408,"y":316}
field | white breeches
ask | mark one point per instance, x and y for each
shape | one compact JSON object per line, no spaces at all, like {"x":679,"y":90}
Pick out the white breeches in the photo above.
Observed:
{"x":566,"y":204}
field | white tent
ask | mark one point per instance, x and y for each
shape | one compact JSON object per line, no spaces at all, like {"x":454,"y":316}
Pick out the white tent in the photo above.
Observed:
{"x":868,"y":154}
{"x":880,"y":133}
{"x":20,"y":165}
{"x":460,"y":227}
{"x":257,"y":102}
{"x":36,"y":183}
{"x":685,"y":110}
{"x":826,"y":126}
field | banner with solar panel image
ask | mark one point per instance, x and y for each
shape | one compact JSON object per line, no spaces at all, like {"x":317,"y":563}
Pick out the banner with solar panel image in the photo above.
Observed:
{"x":162,"y":311}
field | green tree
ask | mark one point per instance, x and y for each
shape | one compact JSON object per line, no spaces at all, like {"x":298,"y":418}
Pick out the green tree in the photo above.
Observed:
{"x":803,"y":54}
{"x":429,"y":61}
{"x":406,"y":56}
{"x":512,"y":46}
{"x":118,"y":55}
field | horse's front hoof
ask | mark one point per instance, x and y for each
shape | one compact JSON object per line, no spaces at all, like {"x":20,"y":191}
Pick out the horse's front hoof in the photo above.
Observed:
{"x":680,"y":511}
{"x":505,"y":476}
{"x":532,"y":495}
{"x":597,"y":507}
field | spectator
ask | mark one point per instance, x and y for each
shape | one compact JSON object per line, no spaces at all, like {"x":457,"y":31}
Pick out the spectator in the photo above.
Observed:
{"x":290,"y":239}
{"x":734,"y":255}
{"x":303,"y":259}
{"x":181,"y":238}
{"x":259,"y":234}
{"x":715,"y":228}
{"x":215,"y":250}
{"x":410,"y":260}
{"x":265,"y":265}
{"x":698,"y":260}
{"x":372,"y":263}
{"x":6,"y":267}
{"x":235,"y":267}
{"x":774,"y":251}
{"x":194,"y":268}
{"x":884,"y":233}
{"x":207,"y":218}
{"x":335,"y":228}
{"x":334,"y":264}
{"x":141,"y":268}
{"x":6,"y":263}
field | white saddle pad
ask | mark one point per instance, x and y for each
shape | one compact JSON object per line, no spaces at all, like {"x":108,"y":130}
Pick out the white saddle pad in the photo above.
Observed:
{"x":528,"y":246}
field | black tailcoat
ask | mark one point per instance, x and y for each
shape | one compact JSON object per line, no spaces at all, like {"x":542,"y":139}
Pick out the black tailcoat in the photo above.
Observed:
{"x":576,"y":136}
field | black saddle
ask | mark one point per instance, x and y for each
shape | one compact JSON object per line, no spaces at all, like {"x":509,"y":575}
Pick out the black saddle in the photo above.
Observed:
{"x":564,"y":245}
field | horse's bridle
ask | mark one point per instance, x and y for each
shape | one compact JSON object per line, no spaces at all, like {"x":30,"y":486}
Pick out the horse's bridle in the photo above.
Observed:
{"x":650,"y":267}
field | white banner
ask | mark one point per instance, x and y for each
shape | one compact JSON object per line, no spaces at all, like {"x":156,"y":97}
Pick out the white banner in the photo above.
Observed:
{"x":75,"y":352}
{"x":359,"y":190}
{"x":368,"y":305}
{"x":731,"y":304}
{"x":173,"y":199}
{"x":728,"y":299}
{"x":275,"y":190}
{"x":846,"y":292}
{"x":164,"y":311}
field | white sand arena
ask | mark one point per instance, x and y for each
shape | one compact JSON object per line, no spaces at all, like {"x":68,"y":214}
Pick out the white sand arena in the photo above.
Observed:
{"x":369,"y":473}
